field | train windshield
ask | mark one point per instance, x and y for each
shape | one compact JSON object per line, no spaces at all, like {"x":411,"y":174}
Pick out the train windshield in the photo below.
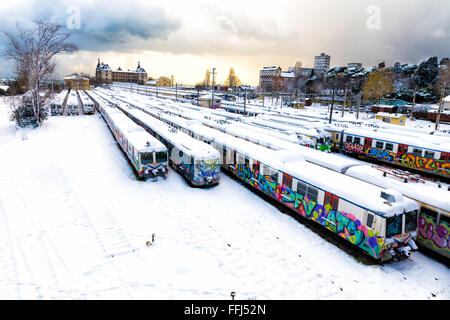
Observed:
{"x":393,"y":226}
{"x":147,"y":157}
{"x":161,"y":156}
{"x":411,"y":221}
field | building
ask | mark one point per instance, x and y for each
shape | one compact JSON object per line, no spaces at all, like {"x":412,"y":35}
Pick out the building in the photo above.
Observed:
{"x":398,"y":119}
{"x":322,"y":62}
{"x":164,"y":82}
{"x":266,"y":77}
{"x":76,"y":83}
{"x":206,"y":101}
{"x":104,"y":74}
{"x":355,"y":65}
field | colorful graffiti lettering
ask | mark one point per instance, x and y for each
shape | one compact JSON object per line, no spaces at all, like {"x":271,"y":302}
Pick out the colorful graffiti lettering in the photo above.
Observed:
{"x":208,"y":168}
{"x":434,"y":236}
{"x":344,"y":224}
{"x":437,"y":166}
{"x":354,"y":147}
{"x":380,"y":154}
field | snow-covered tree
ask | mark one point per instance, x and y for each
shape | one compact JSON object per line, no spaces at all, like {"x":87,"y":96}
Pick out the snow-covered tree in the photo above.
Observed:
{"x":33,"y":53}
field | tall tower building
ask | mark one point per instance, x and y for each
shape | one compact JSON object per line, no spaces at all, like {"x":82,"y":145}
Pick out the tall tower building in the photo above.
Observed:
{"x":322,"y":62}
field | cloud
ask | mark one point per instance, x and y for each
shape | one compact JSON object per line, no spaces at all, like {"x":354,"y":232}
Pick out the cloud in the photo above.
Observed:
{"x":100,"y":25}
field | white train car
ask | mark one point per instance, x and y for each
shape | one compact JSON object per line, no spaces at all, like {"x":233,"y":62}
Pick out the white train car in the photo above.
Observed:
{"x":198,"y":162}
{"x":86,"y":102}
{"x":148,"y":156}
{"x":72,"y":103}
{"x":56,"y":106}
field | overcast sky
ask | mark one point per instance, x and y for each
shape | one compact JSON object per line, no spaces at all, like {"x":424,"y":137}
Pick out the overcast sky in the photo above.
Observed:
{"x":184,"y":38}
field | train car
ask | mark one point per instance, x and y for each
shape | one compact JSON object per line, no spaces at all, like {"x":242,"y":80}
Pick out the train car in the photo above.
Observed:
{"x":56,"y":106}
{"x":320,"y":138}
{"x":433,"y":225}
{"x":86,"y":103}
{"x":382,"y":223}
{"x":198,"y":162}
{"x":148,"y":156}
{"x":72,"y":103}
{"x":424,"y":153}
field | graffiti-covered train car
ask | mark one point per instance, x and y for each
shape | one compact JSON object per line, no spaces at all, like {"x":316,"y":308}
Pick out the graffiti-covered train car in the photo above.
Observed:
{"x":381,"y":223}
{"x":425,"y":153}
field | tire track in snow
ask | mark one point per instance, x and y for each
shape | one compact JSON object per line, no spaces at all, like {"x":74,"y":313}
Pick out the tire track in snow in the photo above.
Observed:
{"x":8,"y":266}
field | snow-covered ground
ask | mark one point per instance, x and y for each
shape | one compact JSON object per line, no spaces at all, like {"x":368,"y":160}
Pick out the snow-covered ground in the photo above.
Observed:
{"x":74,"y":223}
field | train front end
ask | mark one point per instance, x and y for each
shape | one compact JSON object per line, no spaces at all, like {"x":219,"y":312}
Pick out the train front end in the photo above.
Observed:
{"x":400,"y":229}
{"x":206,"y":171}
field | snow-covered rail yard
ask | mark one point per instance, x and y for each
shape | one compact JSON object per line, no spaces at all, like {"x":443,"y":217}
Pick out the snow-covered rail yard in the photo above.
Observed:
{"x":75,"y":223}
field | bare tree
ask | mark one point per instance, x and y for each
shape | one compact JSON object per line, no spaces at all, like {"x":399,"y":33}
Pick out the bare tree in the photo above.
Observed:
{"x":33,"y":53}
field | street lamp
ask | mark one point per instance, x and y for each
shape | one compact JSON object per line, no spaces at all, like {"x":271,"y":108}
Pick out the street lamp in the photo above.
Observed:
{"x":232,"y":294}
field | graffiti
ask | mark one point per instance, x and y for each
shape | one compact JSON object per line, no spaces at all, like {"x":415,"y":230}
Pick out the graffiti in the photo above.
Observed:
{"x":380,"y":154}
{"x":344,"y":224}
{"x":354,"y":147}
{"x":436,"y":237}
{"x":437,"y":166}
{"x":207,"y":168}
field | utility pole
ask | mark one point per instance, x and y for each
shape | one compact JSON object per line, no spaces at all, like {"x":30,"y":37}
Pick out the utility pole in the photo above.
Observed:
{"x":439,"y":109}
{"x":345,"y":102}
{"x":198,"y":96}
{"x":359,"y":104}
{"x":213,"y":73}
{"x":176,"y":92}
{"x":413,"y":103}
{"x":331,"y":108}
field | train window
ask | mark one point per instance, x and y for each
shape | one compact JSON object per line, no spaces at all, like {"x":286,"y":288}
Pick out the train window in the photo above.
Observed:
{"x":301,"y":188}
{"x":429,"y":154}
{"x":369,"y":220}
{"x":411,"y":221}
{"x":379,"y":145}
{"x":247,"y":162}
{"x":313,"y":194}
{"x":349,"y":139}
{"x":357,"y":140}
{"x":337,"y":136}
{"x":161,"y":156}
{"x":393,"y":226}
{"x":444,"y":219}
{"x":180,"y":154}
{"x":147,"y":157}
{"x":389,"y":147}
{"x":417,"y":152}
{"x":428,"y":213}
{"x":274,"y":175}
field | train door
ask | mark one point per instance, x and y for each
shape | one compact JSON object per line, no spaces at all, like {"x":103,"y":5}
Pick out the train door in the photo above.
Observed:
{"x":332,"y":200}
{"x":402,"y":149}
{"x":367,"y":143}
{"x":287,"y":180}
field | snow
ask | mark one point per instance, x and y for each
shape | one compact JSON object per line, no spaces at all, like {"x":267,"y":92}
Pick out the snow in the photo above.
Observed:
{"x":74,"y":223}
